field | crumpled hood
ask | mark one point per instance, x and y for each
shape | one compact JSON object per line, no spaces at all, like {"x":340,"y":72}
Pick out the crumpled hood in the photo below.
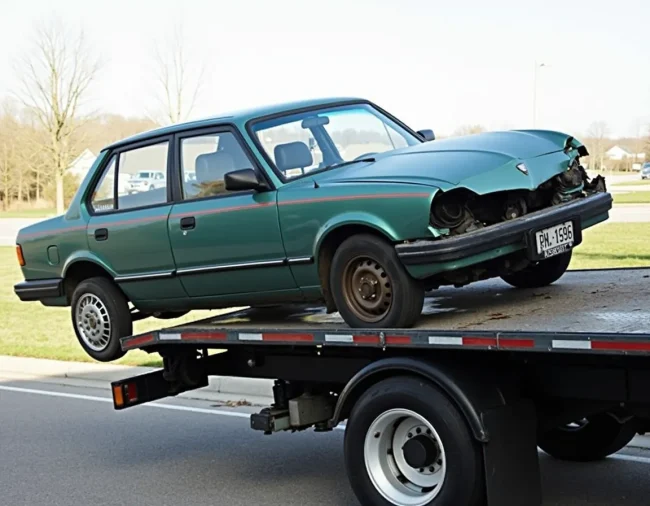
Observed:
{"x":472,"y":161}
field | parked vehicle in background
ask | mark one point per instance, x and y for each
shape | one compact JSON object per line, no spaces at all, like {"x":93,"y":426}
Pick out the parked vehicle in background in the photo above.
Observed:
{"x":146,"y":181}
{"x":645,"y":171}
{"x":332,"y":201}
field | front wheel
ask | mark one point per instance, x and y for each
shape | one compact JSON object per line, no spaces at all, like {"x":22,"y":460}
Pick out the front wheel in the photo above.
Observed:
{"x":406,"y":444}
{"x":593,"y":438}
{"x":539,"y":274}
{"x":370,"y":286}
{"x":100,"y":317}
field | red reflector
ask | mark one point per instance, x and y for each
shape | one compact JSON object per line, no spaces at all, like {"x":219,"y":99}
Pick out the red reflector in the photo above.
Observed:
{"x":620,"y":345}
{"x":288,"y":337}
{"x":366,"y":339}
{"x":516,"y":343}
{"x":398,"y":340}
{"x":479,"y":341}
{"x":131,"y":392}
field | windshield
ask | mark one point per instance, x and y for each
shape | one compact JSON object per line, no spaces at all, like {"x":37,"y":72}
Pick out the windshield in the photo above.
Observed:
{"x":302,"y":142}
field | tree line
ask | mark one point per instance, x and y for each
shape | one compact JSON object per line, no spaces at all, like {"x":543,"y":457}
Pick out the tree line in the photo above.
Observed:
{"x":46,"y":124}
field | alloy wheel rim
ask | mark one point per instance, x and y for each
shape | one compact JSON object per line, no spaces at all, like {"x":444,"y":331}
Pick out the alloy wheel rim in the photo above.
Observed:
{"x":405,"y":458}
{"x":367,"y":289}
{"x":93,"y":322}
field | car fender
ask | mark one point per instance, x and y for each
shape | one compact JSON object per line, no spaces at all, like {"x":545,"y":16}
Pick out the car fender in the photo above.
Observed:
{"x":85,"y":256}
{"x":362,"y":218}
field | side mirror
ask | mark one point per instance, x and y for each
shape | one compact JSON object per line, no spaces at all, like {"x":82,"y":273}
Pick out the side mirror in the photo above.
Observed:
{"x":244,"y":179}
{"x":427,"y":135}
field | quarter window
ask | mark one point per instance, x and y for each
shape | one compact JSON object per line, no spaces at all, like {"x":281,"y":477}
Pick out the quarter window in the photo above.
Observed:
{"x":103,"y":198}
{"x":206,"y":159}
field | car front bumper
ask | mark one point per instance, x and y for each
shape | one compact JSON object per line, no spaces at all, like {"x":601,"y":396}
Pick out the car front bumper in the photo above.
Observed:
{"x":39,"y":289}
{"x":506,"y":234}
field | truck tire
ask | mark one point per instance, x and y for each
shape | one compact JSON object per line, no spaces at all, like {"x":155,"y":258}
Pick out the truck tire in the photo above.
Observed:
{"x":370,"y":286}
{"x":406,"y":444}
{"x":592,"y":439}
{"x":100,"y":317}
{"x":540,"y":274}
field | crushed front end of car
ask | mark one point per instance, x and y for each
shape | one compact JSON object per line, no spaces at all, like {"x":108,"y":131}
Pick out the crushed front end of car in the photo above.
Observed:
{"x":501,"y":232}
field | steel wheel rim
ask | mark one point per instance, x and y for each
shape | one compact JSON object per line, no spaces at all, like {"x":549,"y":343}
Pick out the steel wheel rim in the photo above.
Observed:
{"x":393,"y":477}
{"x":93,"y":322}
{"x":367,"y":289}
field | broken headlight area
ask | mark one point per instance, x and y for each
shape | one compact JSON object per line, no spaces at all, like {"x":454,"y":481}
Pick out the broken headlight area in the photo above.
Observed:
{"x":461,"y":211}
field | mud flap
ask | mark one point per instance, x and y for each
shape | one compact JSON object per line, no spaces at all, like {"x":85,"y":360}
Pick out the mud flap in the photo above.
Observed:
{"x":512,"y":475}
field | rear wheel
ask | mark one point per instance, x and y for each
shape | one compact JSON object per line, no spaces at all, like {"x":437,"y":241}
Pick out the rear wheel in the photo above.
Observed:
{"x":100,"y":317}
{"x":406,"y":444}
{"x":370,"y":286}
{"x":541,"y":273}
{"x":592,"y":438}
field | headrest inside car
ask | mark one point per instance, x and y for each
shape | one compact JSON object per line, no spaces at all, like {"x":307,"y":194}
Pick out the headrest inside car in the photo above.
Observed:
{"x":292,"y":155}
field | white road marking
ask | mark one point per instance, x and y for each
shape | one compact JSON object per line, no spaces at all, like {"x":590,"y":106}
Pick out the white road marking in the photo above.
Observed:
{"x":630,"y":458}
{"x":148,"y":405}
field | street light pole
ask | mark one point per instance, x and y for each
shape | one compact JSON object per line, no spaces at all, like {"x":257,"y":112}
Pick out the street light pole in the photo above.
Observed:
{"x":535,"y":91}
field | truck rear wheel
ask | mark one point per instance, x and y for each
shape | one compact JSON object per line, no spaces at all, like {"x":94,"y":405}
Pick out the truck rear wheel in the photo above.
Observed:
{"x":406,"y":444}
{"x":593,"y":438}
{"x":540,"y":274}
{"x":370,"y":286}
{"x":100,"y":317}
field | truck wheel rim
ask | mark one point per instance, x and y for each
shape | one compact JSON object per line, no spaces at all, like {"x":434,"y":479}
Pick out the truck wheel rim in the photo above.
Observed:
{"x":93,"y":322}
{"x":405,"y":458}
{"x":367,"y":289}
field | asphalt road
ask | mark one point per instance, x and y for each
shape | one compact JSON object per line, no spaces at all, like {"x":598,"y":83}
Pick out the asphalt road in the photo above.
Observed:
{"x":57,"y":450}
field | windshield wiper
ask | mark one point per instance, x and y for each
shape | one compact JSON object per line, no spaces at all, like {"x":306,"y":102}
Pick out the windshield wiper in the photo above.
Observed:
{"x":342,"y":164}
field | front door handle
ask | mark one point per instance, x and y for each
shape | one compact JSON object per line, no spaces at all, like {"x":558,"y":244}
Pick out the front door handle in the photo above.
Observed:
{"x":101,"y":234}
{"x":188,"y":223}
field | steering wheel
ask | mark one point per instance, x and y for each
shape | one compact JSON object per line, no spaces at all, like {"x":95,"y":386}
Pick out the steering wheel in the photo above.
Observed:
{"x":365,"y":155}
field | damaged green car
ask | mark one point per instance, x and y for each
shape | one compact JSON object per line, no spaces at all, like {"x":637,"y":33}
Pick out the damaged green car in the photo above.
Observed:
{"x":332,"y":201}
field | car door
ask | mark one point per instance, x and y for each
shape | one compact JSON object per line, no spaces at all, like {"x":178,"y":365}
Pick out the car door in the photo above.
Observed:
{"x":128,"y":232}
{"x":226,"y":244}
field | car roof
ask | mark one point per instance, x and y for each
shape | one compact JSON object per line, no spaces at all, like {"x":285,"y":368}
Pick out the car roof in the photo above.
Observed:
{"x":238,"y":116}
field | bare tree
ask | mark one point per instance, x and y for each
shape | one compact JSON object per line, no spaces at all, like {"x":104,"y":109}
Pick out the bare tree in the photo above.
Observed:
{"x":55,"y":75}
{"x":597,"y":133}
{"x":179,"y":78}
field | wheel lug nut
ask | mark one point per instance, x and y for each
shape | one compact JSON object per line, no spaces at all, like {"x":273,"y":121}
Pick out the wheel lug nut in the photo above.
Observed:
{"x":410,"y":435}
{"x":377,"y":434}
{"x":418,"y":430}
{"x":421,"y":470}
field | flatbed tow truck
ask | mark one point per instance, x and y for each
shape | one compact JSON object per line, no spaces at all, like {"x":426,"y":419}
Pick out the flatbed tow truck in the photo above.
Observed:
{"x":452,"y":411}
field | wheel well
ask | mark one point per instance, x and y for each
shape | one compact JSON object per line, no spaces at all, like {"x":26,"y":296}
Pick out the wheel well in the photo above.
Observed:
{"x":326,"y":253}
{"x":80,"y":271}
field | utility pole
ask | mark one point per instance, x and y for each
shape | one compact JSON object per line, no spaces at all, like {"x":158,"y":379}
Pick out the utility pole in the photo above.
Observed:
{"x":535,"y":91}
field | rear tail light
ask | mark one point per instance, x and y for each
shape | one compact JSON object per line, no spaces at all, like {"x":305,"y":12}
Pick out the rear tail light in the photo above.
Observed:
{"x":19,"y":254}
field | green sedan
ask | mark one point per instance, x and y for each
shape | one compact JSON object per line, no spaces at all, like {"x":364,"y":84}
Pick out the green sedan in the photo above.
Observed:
{"x":332,"y":201}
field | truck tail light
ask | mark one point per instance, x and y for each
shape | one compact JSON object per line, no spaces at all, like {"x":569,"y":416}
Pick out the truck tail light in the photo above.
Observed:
{"x":19,"y":254}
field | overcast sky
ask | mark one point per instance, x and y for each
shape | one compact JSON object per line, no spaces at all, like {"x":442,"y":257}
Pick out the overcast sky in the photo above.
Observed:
{"x":435,"y":64}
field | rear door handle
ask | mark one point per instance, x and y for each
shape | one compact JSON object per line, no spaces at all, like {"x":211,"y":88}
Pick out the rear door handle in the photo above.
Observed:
{"x":101,"y":234}
{"x":188,"y":223}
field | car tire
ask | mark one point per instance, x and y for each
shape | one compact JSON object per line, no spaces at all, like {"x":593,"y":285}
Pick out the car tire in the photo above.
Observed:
{"x":380,"y":471}
{"x":370,"y":286}
{"x":595,"y":438}
{"x":542,"y":273}
{"x":100,"y":317}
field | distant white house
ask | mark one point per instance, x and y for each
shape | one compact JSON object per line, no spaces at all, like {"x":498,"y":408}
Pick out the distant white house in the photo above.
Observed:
{"x":81,"y":165}
{"x":619,"y":153}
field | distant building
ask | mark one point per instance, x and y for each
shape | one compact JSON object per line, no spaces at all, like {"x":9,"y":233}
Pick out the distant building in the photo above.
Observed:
{"x":81,"y":165}
{"x":618,"y":153}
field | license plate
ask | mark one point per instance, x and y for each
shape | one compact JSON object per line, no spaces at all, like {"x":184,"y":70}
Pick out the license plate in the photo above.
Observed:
{"x":555,"y":240}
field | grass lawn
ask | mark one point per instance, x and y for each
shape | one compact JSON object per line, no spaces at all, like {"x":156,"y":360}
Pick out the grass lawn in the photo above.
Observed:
{"x":28,"y":213}
{"x":613,"y":245}
{"x":29,"y":329}
{"x":32,"y":330}
{"x":640,"y":197}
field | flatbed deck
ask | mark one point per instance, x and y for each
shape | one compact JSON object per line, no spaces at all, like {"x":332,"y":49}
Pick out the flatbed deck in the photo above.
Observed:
{"x":599,"y":310}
